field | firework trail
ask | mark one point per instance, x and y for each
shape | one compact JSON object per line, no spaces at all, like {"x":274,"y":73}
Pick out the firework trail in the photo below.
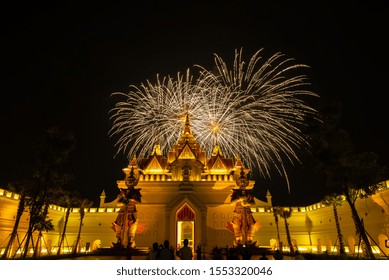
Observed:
{"x":154,"y":113}
{"x":252,"y":110}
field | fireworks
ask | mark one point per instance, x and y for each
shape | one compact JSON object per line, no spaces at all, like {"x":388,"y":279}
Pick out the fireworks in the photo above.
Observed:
{"x":252,"y":110}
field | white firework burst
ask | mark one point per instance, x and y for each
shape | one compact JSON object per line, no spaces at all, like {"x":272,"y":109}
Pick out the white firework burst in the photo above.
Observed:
{"x":252,"y":110}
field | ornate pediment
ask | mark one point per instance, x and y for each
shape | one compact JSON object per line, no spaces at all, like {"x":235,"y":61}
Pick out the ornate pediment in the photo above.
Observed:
{"x":218,"y":165}
{"x":154,"y":166}
{"x":186,"y":153}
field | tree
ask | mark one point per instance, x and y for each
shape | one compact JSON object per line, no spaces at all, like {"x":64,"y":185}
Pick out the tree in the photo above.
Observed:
{"x":34,"y":205}
{"x":336,"y":200}
{"x":278,"y":231}
{"x":22,"y":189}
{"x":52,"y":153}
{"x":68,"y":200}
{"x":84,"y":203}
{"x":42,"y":222}
{"x":347,"y":172}
{"x":286,"y":214}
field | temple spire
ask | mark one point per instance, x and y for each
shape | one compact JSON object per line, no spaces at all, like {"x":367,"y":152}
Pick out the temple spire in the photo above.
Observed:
{"x":187,"y":129}
{"x":133,"y":162}
{"x":157,"y":150}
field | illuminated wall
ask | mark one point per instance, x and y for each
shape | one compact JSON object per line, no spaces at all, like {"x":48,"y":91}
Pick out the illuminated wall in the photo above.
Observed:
{"x":312,"y":227}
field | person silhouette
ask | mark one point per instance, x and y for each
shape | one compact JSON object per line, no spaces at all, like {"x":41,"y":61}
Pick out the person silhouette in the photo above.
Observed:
{"x":198,"y":252}
{"x":166,"y":253}
{"x":185,"y":252}
{"x":154,"y":251}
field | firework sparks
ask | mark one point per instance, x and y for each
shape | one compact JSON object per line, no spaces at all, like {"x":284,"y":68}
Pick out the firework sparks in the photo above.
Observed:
{"x":252,"y":110}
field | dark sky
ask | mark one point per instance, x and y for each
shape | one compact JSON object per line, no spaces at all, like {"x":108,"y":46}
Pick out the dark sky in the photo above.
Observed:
{"x":61,"y":61}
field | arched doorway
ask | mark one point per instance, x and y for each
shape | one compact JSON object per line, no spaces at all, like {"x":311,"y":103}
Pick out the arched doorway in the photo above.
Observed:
{"x":185,"y":220}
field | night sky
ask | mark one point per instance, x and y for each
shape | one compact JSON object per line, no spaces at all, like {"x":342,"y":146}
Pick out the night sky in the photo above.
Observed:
{"x":61,"y":61}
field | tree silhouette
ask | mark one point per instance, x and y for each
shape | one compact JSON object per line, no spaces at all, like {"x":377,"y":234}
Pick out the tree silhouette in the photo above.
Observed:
{"x":278,"y":230}
{"x":347,"y":173}
{"x":52,"y":153}
{"x":286,"y":214}
{"x":83,"y":203}
{"x":22,"y":188}
{"x":335,"y":200}
{"x":68,"y":200}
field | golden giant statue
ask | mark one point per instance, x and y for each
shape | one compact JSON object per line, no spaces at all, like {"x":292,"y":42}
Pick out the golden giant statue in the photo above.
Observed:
{"x":243,"y":223}
{"x":126,"y":222}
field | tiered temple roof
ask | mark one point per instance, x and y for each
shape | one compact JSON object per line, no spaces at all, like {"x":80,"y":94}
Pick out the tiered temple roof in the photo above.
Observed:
{"x":186,"y":156}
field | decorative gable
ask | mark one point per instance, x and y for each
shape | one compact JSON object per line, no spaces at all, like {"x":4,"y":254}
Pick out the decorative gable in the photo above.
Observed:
{"x":154,"y":166}
{"x":186,"y":153}
{"x":218,"y":165}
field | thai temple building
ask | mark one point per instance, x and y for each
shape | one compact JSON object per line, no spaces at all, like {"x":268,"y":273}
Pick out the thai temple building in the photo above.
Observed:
{"x":205,"y":199}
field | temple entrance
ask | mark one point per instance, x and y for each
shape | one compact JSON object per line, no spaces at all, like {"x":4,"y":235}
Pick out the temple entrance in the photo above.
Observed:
{"x":185,"y":226}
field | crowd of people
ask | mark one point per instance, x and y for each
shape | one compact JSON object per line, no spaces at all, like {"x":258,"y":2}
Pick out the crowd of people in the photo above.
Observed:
{"x":166,"y":252}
